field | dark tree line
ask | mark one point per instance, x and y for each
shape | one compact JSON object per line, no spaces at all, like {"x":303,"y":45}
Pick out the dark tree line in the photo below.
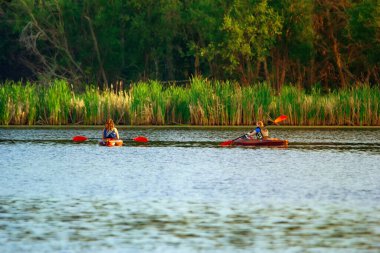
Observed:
{"x":305,"y":42}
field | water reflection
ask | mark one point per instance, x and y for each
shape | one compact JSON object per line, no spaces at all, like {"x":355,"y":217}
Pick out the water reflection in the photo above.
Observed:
{"x":314,"y":145}
{"x":72,"y":224}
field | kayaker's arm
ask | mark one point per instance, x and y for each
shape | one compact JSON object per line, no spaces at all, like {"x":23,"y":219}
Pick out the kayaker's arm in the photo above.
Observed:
{"x":117,"y":134}
{"x":249,"y":134}
{"x":104,"y":134}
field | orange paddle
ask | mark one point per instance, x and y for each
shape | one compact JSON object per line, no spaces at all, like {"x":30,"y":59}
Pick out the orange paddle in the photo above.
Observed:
{"x":80,"y":138}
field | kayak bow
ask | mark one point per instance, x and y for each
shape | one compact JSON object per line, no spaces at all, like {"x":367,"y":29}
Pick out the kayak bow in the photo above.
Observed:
{"x":111,"y":143}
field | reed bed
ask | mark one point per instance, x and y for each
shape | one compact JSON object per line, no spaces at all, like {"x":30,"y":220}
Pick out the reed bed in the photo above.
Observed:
{"x":202,"y":102}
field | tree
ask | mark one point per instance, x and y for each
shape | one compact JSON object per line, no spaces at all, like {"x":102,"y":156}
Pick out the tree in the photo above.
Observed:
{"x":202,"y":19}
{"x":248,"y":30}
{"x":293,"y":52}
{"x":11,"y":51}
{"x":298,"y":41}
{"x":364,"y":33}
{"x":153,"y":32}
{"x":330,"y":24}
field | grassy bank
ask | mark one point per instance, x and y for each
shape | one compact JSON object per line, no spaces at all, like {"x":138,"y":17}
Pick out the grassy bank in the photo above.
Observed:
{"x":202,"y":102}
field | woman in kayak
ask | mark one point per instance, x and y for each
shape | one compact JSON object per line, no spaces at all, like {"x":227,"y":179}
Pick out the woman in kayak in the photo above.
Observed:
{"x":110,"y":131}
{"x":260,"y":131}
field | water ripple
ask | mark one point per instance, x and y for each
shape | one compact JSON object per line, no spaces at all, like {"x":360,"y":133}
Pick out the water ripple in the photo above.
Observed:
{"x":74,"y":225}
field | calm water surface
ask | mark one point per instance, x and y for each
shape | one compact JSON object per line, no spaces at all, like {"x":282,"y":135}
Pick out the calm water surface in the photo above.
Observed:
{"x":182,"y":192}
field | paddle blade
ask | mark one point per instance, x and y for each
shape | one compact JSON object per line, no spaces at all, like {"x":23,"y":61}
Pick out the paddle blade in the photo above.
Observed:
{"x":281,"y":118}
{"x":140,"y":139}
{"x":79,"y":138}
{"x":226,"y":143}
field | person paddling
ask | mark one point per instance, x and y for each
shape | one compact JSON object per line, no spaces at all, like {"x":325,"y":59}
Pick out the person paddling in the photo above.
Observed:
{"x":260,"y":132}
{"x":110,"y":131}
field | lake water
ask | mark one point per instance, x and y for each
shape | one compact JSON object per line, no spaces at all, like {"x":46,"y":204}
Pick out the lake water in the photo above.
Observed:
{"x":182,"y":192}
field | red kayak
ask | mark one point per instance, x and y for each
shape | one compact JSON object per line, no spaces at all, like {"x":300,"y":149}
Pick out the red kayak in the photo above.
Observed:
{"x":111,"y":143}
{"x":269,"y":142}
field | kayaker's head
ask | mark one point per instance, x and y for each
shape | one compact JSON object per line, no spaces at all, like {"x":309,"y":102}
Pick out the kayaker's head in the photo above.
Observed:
{"x":260,"y":124}
{"x":109,"y":124}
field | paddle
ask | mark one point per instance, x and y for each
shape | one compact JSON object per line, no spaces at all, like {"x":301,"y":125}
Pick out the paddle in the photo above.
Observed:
{"x":280,"y":118}
{"x":80,"y":138}
{"x":140,"y":139}
{"x":277,"y":120}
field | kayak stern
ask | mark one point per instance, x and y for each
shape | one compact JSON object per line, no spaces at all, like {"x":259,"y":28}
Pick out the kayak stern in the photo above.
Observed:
{"x":269,"y":142}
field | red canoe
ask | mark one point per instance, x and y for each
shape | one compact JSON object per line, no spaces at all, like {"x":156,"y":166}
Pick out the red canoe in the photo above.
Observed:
{"x":269,"y":142}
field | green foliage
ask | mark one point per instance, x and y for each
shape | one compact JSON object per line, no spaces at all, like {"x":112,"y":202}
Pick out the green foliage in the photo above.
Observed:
{"x":297,"y":31}
{"x":103,"y":42}
{"x":249,"y":31}
{"x":364,"y":27}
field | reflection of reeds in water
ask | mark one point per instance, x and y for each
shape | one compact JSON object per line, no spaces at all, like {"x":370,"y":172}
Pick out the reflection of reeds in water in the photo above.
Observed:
{"x":202,"y":102}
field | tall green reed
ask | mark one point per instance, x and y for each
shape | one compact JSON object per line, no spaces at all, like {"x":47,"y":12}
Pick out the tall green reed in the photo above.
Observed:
{"x":158,"y":101}
{"x":177,"y":110}
{"x":55,"y":103}
{"x":18,"y":103}
{"x":6,"y":103}
{"x":32,"y":102}
{"x":289,"y":102}
{"x":140,"y":110}
{"x":92,"y":106}
{"x":262,"y":95}
{"x":201,"y":102}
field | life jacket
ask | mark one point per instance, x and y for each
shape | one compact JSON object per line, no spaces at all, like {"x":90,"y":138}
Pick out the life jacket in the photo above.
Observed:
{"x":259,"y":134}
{"x":109,"y":134}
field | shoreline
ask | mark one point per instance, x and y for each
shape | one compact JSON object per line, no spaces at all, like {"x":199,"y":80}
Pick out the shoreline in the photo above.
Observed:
{"x":177,"y":127}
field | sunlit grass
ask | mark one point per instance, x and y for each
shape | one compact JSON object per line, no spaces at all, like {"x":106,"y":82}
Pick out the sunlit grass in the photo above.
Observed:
{"x":177,"y":107}
{"x":201,"y":102}
{"x":56,"y":101}
{"x":18,"y":103}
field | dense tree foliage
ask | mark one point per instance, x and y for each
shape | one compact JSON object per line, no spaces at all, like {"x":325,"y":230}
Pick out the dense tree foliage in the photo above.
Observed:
{"x":334,"y":43}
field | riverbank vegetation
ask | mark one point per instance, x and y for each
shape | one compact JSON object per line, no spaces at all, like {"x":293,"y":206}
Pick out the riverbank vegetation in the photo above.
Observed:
{"x":79,"y":62}
{"x":333,"y":43}
{"x":201,"y":102}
